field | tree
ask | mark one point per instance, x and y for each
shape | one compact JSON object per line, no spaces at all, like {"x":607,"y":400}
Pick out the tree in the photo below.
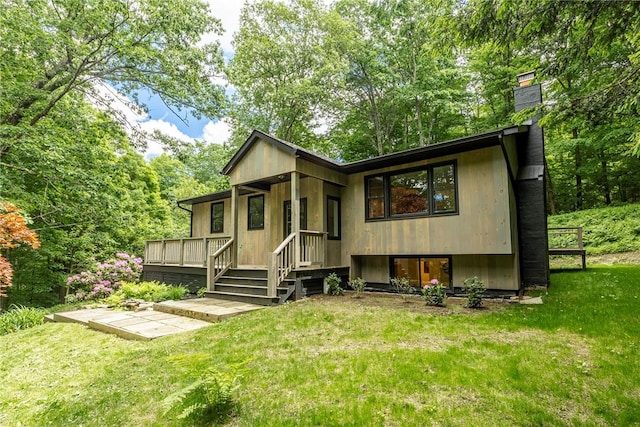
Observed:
{"x":283,"y":70}
{"x":13,"y":233}
{"x":50,"y":50}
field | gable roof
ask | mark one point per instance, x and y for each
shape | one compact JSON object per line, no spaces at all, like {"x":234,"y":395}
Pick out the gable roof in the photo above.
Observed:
{"x":454,"y":146}
{"x":295,"y":150}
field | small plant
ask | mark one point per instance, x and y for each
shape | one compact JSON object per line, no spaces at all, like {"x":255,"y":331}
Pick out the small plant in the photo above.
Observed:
{"x":402,"y":286}
{"x":19,"y":317}
{"x":210,"y":397}
{"x":474,"y":288}
{"x":333,"y":281}
{"x":151,"y":291}
{"x":358,"y":284}
{"x":201,"y":292}
{"x":434,"y":293}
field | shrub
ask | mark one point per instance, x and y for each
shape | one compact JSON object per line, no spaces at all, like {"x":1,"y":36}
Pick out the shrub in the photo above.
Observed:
{"x":333,"y":281}
{"x":402,"y":286}
{"x":104,"y":279}
{"x":210,"y":397}
{"x":201,"y":292}
{"x":19,"y":317}
{"x":434,"y":293}
{"x":358,"y":284}
{"x":474,"y":288}
{"x":151,"y":291}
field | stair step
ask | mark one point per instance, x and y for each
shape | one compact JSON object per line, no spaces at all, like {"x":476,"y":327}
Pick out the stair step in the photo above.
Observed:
{"x":240,"y":297}
{"x":245,"y":289}
{"x":244,"y":280}
{"x":248,"y":272}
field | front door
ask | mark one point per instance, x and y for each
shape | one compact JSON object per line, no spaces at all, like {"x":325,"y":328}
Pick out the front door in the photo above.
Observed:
{"x":287,"y":216}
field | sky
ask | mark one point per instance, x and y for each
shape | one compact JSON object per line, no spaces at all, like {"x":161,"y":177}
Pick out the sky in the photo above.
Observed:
{"x":161,"y":118}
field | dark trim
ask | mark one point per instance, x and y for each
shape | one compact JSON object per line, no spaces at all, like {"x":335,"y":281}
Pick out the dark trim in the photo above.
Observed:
{"x":211,"y":229}
{"x":211,"y":197}
{"x":303,"y":226}
{"x":505,"y":154}
{"x":249,"y":226}
{"x":335,"y":199}
{"x":190,"y":217}
{"x":386,"y":182}
{"x":449,"y":257}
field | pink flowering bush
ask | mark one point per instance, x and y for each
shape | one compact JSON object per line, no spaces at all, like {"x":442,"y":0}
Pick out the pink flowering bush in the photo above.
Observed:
{"x":434,"y":293}
{"x":105,"y":279}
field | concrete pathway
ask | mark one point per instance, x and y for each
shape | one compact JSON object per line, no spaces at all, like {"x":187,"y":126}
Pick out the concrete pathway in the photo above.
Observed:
{"x":166,"y":318}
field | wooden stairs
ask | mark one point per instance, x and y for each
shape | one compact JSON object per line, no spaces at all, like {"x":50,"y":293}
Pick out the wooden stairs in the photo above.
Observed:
{"x":249,"y":285}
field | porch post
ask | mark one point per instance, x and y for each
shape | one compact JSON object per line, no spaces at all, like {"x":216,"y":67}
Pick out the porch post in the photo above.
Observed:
{"x":234,"y":226}
{"x":295,"y":215}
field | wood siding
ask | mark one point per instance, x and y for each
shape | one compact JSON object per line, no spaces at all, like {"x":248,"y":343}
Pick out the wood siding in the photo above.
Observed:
{"x":202,"y":219}
{"x":261,"y":161}
{"x":482,"y":225}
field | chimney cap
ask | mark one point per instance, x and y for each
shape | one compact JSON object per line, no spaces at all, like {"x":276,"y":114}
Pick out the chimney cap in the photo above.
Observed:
{"x":525,"y":79}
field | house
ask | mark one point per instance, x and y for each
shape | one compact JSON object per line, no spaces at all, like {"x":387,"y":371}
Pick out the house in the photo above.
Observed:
{"x":473,"y":206}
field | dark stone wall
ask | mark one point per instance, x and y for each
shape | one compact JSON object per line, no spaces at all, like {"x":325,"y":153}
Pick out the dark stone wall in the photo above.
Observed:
{"x":531,"y":196}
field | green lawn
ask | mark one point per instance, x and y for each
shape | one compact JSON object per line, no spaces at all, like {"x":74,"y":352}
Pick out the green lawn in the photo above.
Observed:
{"x":339,"y":361}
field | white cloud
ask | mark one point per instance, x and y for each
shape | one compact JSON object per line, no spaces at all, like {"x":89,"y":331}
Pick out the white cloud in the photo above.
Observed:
{"x":216,"y":133}
{"x":228,"y":12}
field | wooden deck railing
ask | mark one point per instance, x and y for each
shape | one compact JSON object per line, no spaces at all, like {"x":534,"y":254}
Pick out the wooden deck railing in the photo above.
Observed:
{"x":192,"y":252}
{"x":281,"y":262}
{"x":219,"y":262}
{"x":567,"y":241}
{"x":312,"y":244}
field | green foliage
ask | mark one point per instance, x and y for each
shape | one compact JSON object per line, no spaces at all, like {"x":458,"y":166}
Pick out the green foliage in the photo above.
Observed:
{"x":474,"y":289}
{"x":334,"y":281}
{"x":605,"y":230}
{"x":19,"y":317}
{"x":402,"y":286}
{"x":358,"y":284}
{"x":151,"y":291}
{"x":208,"y":398}
{"x":201,"y":292}
{"x":434,"y":293}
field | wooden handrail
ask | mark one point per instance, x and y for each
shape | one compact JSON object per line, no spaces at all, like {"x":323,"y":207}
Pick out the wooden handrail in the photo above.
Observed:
{"x":567,"y":231}
{"x":192,"y":251}
{"x":219,"y":263}
{"x":281,"y":263}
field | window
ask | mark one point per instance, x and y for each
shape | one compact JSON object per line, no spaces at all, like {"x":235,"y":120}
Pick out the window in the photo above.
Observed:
{"x":287,"y":216}
{"x":256,"y":212}
{"x":333,"y":218}
{"x":421,"y":270}
{"x":217,"y":217}
{"x":418,"y":192}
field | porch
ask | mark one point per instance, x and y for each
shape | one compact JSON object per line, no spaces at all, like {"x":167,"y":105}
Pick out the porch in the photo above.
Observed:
{"x":296,"y":268}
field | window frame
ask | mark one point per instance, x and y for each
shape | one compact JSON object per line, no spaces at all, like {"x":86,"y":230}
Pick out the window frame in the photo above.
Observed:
{"x":339,"y":219}
{"x":447,"y":286}
{"x":303,"y":215}
{"x":251,"y":226}
{"x":211,"y":225}
{"x":386,"y":180}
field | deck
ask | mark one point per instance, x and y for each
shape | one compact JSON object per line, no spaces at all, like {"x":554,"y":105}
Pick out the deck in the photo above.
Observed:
{"x":567,"y":241}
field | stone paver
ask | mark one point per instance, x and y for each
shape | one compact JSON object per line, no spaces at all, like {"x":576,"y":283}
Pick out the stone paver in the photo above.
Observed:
{"x":167,"y":318}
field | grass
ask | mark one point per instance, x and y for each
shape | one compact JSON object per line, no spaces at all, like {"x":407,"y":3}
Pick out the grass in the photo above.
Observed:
{"x":343,"y":361}
{"x":612,"y":229}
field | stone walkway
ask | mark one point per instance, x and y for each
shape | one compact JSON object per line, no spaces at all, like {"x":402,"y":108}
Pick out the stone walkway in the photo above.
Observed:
{"x":166,"y":318}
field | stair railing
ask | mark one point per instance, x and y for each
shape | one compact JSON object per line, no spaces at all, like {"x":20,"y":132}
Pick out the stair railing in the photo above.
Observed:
{"x":312,"y":245}
{"x":219,"y":263}
{"x":281,"y":263}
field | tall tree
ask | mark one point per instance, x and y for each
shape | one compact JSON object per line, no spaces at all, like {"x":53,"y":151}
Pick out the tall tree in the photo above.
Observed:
{"x":282,"y":69}
{"x":51,"y":49}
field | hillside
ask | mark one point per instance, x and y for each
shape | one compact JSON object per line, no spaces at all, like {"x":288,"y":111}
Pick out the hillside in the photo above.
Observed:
{"x":608,"y":230}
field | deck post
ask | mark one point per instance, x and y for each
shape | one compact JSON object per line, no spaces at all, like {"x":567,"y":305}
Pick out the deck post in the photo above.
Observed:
{"x":234,"y":225}
{"x":272,"y":274}
{"x":295,"y":215}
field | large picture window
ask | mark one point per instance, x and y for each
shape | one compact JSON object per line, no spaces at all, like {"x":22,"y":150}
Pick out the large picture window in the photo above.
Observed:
{"x":430,"y":190}
{"x":256,"y":212}
{"x":217,"y":217}
{"x":422,"y":270}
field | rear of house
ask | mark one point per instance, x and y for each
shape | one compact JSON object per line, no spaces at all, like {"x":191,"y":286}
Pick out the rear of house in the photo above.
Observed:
{"x":448,"y":211}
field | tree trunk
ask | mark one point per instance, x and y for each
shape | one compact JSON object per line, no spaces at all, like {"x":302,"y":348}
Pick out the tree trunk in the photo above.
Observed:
{"x":578,"y":159}
{"x":605,"y":178}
